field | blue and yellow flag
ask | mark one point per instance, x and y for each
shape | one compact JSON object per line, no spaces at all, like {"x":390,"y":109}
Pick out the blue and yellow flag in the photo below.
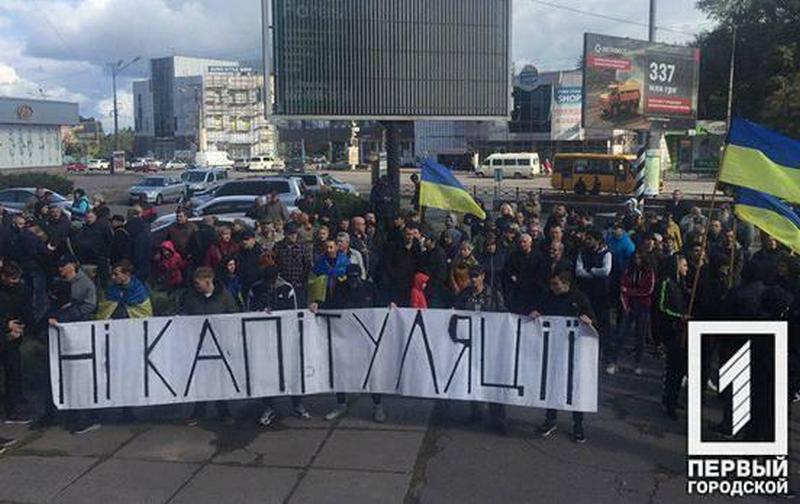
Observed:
{"x":762,"y":160}
{"x":440,"y":189}
{"x":769,"y":214}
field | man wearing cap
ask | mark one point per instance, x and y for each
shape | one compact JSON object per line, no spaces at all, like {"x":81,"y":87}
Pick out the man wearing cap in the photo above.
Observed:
{"x":76,"y":301}
{"x":294,"y":261}
{"x":249,"y":255}
{"x":480,"y":297}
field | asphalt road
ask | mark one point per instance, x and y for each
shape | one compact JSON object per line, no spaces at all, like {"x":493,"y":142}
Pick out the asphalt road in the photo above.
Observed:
{"x":424,"y":453}
{"x":115,"y":187}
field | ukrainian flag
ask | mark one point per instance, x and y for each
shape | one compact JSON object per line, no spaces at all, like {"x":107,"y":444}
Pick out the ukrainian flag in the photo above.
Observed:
{"x":440,"y":189}
{"x":769,"y":214}
{"x":762,"y":160}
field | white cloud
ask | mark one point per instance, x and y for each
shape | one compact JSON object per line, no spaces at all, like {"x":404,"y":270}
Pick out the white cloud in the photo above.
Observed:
{"x":105,"y":111}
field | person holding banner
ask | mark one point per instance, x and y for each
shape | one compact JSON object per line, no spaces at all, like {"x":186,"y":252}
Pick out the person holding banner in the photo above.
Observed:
{"x":352,"y":292}
{"x":273,"y":293}
{"x":75,"y":301}
{"x":480,"y":297}
{"x":208,"y":297}
{"x":562,"y":300}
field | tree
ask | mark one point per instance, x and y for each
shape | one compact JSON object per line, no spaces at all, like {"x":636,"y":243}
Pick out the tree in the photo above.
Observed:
{"x":767,"y":85}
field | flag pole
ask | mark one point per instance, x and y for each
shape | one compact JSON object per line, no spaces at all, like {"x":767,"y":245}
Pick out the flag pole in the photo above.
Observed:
{"x":703,"y":246}
{"x":704,"y":241}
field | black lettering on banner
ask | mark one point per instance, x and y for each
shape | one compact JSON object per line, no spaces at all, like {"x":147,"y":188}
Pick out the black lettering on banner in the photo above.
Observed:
{"x":467,"y":348}
{"x":545,"y":359}
{"x":148,"y":364}
{"x":419,"y":321}
{"x":516,"y":386}
{"x":571,"y":326}
{"x":246,"y":351}
{"x":328,"y":317}
{"x":207,"y":329}
{"x":302,"y":353}
{"x":92,"y":356}
{"x":108,"y":362}
{"x":376,"y":342}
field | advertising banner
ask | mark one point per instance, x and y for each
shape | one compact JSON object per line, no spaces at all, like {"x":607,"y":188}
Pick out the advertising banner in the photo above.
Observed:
{"x":550,"y":362}
{"x":634,"y":85}
{"x":567,"y":107}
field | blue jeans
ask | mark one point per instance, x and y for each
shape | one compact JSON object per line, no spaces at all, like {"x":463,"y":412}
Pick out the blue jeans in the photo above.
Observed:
{"x":637,"y":321}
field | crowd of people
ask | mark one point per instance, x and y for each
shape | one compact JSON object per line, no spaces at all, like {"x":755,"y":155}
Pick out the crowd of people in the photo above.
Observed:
{"x":631,"y":278}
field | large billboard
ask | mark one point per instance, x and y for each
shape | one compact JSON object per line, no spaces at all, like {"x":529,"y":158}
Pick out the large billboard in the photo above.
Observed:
{"x":635,"y":85}
{"x":389,"y":59}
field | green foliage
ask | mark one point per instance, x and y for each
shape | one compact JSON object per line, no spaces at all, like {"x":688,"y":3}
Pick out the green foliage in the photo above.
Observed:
{"x":55,"y":183}
{"x":349,"y":205}
{"x":767,"y":84}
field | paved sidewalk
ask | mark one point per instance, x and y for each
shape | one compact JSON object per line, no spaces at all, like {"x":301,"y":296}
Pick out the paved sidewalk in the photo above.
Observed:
{"x":424,"y":453}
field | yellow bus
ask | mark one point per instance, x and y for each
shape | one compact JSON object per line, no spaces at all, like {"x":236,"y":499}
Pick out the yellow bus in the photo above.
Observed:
{"x":593,"y":173}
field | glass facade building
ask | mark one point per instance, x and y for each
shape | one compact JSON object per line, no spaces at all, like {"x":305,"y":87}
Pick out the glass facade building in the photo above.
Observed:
{"x":400,"y":59}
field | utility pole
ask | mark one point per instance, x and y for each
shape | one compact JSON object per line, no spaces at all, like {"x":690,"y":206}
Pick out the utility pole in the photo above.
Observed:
{"x":652,"y":138}
{"x":116,"y":68}
{"x":731,"y":79}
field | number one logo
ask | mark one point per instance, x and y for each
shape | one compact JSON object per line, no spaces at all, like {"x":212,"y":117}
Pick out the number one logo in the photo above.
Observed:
{"x":736,"y":374}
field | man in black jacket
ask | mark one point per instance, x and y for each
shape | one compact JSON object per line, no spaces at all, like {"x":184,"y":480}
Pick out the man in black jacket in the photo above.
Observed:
{"x":480,"y":297}
{"x":141,"y":243}
{"x":352,"y":292}
{"x":400,"y":263}
{"x":562,"y":300}
{"x":208,"y":298}
{"x":16,"y":314}
{"x":520,"y":276}
{"x":120,"y":240}
{"x":273,"y":293}
{"x":249,"y":256}
{"x":92,"y":245}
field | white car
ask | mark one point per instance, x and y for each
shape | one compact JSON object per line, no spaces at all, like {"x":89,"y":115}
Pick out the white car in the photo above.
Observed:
{"x":288,"y":190}
{"x":98,"y":164}
{"x":226,"y":208}
{"x":175,"y":164}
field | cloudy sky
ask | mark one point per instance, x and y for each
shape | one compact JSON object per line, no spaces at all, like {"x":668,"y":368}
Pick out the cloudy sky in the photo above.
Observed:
{"x":59,"y":49}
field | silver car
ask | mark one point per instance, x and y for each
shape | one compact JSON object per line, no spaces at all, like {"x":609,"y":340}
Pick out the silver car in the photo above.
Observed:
{"x":288,"y":190}
{"x":158,"y":190}
{"x":18,"y":197}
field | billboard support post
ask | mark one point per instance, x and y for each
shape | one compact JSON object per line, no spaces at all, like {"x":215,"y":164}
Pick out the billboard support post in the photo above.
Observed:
{"x":392,"y":129}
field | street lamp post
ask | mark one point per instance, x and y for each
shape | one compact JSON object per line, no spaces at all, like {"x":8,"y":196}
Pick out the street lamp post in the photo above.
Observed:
{"x":116,"y":68}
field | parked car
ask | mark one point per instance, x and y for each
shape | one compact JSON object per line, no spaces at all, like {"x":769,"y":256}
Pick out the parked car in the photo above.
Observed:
{"x":225,"y":208}
{"x":18,"y":198}
{"x":314,"y":183}
{"x":288,"y":190}
{"x":175,"y":164}
{"x":160,"y":228}
{"x":295,"y":166}
{"x":75,"y":167}
{"x":98,"y":164}
{"x":320,"y":162}
{"x":336,"y":184}
{"x":159,"y":190}
{"x":198,"y":181}
{"x":147,"y":165}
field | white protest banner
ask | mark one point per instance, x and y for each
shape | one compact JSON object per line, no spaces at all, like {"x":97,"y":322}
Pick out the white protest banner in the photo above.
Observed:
{"x":438,"y":354}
